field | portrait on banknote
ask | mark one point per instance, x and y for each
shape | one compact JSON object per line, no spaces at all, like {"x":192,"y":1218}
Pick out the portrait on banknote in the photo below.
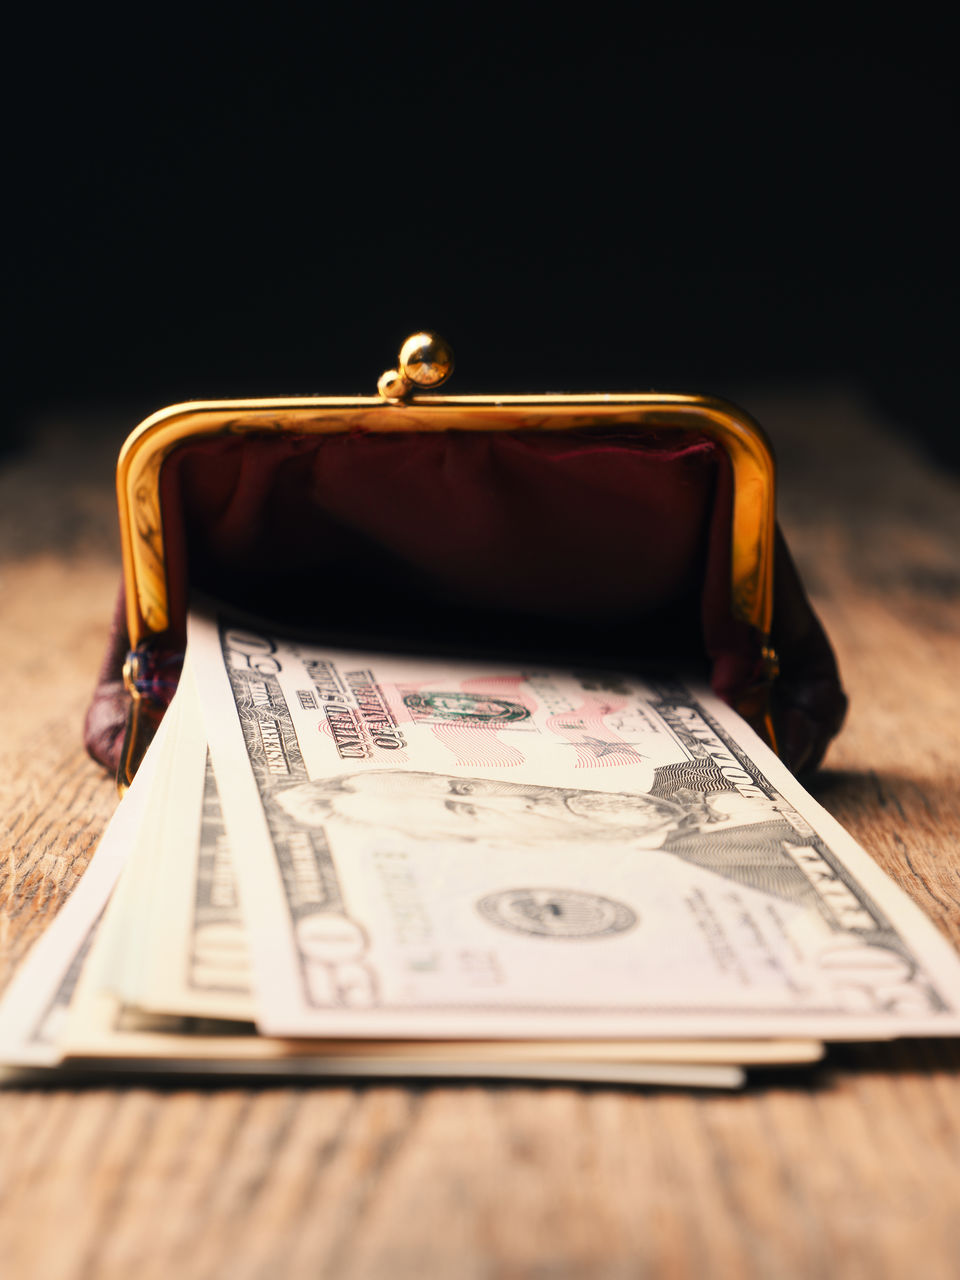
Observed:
{"x":740,"y":838}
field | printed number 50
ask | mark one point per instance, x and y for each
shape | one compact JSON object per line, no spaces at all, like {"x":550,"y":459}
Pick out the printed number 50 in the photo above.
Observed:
{"x":252,"y":651}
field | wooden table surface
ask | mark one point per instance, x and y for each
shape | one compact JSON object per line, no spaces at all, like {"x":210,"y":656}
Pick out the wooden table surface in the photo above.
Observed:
{"x":852,"y":1170}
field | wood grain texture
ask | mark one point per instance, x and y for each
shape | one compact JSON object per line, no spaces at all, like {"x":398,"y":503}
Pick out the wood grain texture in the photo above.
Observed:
{"x":852,"y":1171}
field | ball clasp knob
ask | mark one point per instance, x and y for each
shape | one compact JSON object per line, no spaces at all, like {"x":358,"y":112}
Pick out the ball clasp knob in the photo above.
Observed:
{"x":426,"y":361}
{"x":392,"y":385}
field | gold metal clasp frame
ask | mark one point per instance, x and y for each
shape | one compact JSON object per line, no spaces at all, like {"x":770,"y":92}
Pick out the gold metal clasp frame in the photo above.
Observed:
{"x":396,"y":410}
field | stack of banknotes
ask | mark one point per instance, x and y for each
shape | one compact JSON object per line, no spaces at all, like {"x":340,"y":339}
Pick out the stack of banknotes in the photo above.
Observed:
{"x":345,"y":863}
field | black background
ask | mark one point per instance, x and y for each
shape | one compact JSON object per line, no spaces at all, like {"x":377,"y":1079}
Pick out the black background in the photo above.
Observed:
{"x":224,"y":206}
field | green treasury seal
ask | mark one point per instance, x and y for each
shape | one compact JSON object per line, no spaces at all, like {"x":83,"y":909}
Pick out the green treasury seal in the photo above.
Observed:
{"x":472,"y":708}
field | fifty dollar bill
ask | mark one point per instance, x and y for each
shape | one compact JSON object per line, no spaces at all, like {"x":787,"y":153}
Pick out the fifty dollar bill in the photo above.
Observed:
{"x":431,"y":848}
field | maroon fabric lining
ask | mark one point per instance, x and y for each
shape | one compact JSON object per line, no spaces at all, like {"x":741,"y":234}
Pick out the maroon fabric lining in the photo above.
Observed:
{"x":558,"y":526}
{"x":581,"y":536}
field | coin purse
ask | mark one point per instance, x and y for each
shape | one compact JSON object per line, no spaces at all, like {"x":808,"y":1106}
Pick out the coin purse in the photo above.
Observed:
{"x":633,"y":530}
